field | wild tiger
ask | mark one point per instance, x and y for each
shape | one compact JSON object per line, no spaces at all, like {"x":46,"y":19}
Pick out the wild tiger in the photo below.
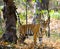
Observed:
{"x":35,"y":28}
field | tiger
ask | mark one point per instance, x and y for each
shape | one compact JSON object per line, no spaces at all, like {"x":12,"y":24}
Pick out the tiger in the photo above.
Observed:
{"x":35,"y":28}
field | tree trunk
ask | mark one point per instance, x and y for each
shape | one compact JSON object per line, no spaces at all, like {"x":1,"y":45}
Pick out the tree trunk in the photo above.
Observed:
{"x":10,"y":20}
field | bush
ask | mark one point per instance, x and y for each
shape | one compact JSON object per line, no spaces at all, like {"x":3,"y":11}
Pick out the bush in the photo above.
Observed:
{"x":55,"y":14}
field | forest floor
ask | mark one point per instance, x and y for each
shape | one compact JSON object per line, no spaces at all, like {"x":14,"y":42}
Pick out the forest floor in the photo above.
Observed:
{"x":48,"y":43}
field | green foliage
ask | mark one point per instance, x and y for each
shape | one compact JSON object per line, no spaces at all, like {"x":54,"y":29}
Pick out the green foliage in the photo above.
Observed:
{"x":55,"y":14}
{"x":22,"y":16}
{"x":56,"y":3}
{"x":1,"y":21}
{"x":35,"y":0}
{"x":1,"y":30}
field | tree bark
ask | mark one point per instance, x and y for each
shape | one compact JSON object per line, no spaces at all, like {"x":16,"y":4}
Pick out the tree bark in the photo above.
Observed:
{"x":10,"y":20}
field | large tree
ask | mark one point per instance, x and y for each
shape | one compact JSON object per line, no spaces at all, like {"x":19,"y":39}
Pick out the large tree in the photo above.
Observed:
{"x":9,"y":14}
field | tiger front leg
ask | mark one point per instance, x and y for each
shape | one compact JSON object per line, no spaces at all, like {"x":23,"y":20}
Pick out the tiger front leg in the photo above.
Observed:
{"x":22,"y":37}
{"x":40,"y":40}
{"x":35,"y":40}
{"x":40,"y":36}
